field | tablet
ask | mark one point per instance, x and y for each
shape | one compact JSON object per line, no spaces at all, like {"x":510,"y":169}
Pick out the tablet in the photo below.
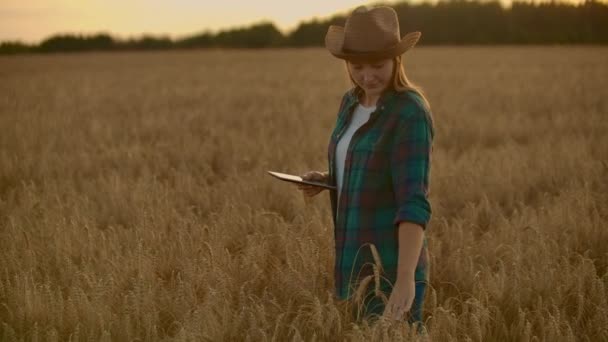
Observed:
{"x":298,"y":179}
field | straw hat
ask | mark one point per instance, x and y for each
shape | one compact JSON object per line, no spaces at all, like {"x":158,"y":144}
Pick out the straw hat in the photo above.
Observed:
{"x":369,"y":33}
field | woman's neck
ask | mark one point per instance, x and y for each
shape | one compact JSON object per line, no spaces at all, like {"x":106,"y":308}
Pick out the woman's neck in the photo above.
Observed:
{"x":368,"y":100}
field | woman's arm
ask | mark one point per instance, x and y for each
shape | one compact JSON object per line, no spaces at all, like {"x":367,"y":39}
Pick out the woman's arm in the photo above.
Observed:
{"x":410,"y":166}
{"x":404,"y":290}
{"x":410,"y":245}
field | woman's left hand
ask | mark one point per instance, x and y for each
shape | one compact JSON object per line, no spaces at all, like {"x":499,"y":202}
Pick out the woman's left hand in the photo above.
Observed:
{"x":401,"y":298}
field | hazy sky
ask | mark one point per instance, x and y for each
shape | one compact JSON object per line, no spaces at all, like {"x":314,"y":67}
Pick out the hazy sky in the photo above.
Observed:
{"x":33,"y":20}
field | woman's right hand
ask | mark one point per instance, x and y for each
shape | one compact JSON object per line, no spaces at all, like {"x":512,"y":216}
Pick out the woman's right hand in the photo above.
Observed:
{"x":311,"y":190}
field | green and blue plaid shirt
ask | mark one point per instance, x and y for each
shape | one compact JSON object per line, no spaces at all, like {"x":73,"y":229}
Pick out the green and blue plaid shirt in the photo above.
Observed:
{"x":386,"y":178}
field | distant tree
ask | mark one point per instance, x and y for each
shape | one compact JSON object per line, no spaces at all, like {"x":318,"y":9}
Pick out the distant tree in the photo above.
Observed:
{"x":260,"y":35}
{"x":593,"y":17}
{"x":197,"y":41}
{"x":559,"y":22}
{"x":11,"y":48}
{"x":71,"y":43}
{"x":312,"y":33}
{"x":147,"y":42}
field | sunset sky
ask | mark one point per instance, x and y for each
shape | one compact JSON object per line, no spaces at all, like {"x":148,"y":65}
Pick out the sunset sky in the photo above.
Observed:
{"x":31,"y":21}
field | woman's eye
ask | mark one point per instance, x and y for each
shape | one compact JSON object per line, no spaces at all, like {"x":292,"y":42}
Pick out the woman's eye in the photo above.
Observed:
{"x":378,"y":66}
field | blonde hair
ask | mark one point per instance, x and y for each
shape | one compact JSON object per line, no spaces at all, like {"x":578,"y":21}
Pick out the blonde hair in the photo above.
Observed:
{"x":400,"y":83}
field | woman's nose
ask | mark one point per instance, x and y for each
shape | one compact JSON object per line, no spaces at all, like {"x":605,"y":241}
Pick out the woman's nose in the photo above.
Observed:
{"x":367,"y":77}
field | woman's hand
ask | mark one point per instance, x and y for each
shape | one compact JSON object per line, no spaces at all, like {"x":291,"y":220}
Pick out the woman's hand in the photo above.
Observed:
{"x":311,"y":190}
{"x":401,"y":298}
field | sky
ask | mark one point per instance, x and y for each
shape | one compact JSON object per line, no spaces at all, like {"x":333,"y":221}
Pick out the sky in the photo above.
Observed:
{"x":31,"y":21}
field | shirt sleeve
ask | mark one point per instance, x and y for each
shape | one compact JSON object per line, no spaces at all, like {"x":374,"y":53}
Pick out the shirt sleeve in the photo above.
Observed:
{"x":410,"y":167}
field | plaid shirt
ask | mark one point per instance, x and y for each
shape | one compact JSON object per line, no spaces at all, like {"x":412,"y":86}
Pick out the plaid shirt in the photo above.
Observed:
{"x":386,"y":176}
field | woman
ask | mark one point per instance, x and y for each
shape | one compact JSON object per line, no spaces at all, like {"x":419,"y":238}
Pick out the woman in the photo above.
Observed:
{"x":379,"y":159}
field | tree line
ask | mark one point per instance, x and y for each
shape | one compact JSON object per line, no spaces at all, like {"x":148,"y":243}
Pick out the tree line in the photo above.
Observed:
{"x":446,"y":22}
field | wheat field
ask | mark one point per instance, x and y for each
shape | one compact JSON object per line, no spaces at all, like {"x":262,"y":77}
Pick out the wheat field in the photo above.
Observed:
{"x":135,"y":203}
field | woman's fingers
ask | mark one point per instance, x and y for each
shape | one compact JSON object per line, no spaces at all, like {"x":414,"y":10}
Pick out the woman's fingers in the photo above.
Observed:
{"x":313,"y":175}
{"x":307,"y":176}
{"x":397,"y":310}
{"x":311,"y":190}
{"x":394,"y":313}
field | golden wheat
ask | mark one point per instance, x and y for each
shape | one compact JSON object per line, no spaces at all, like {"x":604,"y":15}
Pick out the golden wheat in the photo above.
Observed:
{"x":135,"y":204}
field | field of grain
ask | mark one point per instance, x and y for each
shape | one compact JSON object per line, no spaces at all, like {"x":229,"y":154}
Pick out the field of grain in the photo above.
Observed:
{"x":135,"y":204}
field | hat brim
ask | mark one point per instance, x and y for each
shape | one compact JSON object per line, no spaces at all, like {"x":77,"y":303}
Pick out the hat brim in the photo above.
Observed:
{"x":334,"y":40}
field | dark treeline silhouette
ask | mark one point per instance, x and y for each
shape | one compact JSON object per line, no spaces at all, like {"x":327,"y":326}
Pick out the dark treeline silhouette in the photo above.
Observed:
{"x":447,"y":22}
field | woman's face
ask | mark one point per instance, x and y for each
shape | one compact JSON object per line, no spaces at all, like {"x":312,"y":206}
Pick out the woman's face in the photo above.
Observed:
{"x":372,"y":76}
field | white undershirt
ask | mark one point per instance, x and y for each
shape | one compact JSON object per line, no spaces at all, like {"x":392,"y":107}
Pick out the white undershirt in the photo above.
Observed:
{"x":360,"y":116}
